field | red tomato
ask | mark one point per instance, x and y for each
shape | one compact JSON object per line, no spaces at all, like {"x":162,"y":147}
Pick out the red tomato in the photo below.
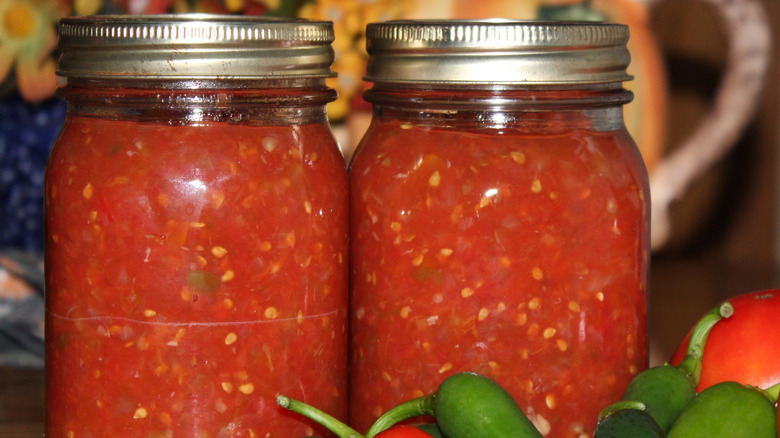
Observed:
{"x":403,"y":432}
{"x":742,"y":348}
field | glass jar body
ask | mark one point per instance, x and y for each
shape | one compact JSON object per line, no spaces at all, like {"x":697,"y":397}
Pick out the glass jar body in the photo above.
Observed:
{"x":503,"y":232}
{"x":196,"y":249}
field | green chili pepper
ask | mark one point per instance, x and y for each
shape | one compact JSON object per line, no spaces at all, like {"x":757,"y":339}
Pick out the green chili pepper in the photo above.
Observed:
{"x":729,"y":410}
{"x":627,"y":420}
{"x":466,"y":405}
{"x":666,"y":390}
{"x":337,"y":427}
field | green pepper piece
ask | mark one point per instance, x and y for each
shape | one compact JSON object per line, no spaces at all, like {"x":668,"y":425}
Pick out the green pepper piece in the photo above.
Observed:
{"x":666,"y":390}
{"x":729,"y":410}
{"x":466,"y":405}
{"x":629,"y":420}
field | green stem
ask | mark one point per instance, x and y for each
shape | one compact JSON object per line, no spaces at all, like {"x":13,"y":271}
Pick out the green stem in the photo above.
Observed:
{"x":412,"y":408}
{"x":618,"y":406}
{"x":334,"y":425}
{"x":772,"y":393}
{"x":691,"y":363}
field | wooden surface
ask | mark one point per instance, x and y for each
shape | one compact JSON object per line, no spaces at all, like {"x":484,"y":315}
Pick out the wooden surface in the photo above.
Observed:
{"x":21,"y":403}
{"x":682,"y":289}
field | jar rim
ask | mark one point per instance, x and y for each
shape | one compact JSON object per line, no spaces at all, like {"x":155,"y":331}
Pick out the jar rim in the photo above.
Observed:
{"x":194,"y":46}
{"x":497,"y":51}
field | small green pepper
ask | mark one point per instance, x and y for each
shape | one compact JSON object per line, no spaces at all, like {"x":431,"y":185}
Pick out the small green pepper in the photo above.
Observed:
{"x":666,"y":390}
{"x":627,"y":420}
{"x":466,"y":405}
{"x":729,"y":410}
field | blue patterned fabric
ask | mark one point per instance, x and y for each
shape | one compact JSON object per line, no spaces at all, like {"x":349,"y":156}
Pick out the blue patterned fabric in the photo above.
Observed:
{"x":27,"y":132}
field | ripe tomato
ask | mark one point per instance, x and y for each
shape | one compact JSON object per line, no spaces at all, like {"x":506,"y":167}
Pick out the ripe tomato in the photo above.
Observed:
{"x":403,"y":432}
{"x":742,"y":348}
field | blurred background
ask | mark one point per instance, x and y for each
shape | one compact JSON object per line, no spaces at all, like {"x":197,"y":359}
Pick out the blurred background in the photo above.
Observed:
{"x":706,"y":117}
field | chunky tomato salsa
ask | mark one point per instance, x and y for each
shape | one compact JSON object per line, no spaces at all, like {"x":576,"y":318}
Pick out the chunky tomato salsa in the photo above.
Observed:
{"x":194,"y":273}
{"x":519,"y":253}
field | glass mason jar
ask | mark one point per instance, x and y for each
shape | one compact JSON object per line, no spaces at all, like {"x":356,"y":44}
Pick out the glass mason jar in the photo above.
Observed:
{"x":499,"y":216}
{"x":196,"y":240}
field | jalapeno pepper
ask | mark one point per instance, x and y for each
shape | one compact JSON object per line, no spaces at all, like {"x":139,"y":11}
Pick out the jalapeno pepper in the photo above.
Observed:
{"x":729,"y":410}
{"x":466,"y":405}
{"x":627,"y":420}
{"x":666,"y":390}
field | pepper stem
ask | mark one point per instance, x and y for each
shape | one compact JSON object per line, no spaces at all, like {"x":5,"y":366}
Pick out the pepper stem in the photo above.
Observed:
{"x":412,"y":408}
{"x":340,"y":429}
{"x":772,"y":393}
{"x":691,"y":363}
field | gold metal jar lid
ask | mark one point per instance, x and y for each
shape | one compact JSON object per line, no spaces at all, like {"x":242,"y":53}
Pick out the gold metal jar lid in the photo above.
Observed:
{"x":194,"y":46}
{"x":497,"y":52}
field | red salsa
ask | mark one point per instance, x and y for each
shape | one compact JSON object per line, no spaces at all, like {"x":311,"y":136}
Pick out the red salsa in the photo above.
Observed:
{"x":194,"y":272}
{"x":514,"y":250}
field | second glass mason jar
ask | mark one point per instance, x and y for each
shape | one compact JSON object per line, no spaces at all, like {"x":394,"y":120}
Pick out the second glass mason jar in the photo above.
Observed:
{"x":499,"y":217}
{"x":196,"y":245}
